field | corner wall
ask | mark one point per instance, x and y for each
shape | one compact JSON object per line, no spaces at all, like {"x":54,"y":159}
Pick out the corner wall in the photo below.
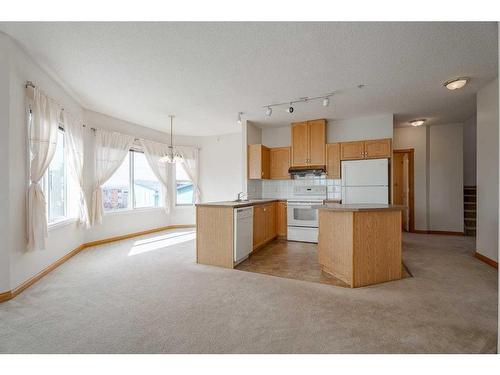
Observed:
{"x":487,"y":171}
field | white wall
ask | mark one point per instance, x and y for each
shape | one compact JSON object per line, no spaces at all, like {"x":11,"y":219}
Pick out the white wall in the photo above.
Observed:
{"x":487,"y":171}
{"x":415,"y":137}
{"x":277,"y":137}
{"x":446,"y":212}
{"x":360,"y":128}
{"x":221,"y":176}
{"x":4,"y":165}
{"x":470,"y":152}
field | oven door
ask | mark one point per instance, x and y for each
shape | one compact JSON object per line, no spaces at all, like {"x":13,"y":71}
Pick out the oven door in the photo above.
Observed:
{"x":302,"y":215}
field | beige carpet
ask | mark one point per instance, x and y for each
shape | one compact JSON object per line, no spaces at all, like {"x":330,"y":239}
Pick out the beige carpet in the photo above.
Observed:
{"x":148,"y":295}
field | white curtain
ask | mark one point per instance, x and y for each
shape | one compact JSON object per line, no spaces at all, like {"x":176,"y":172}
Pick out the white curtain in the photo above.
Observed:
{"x":44,"y":123}
{"x":74,"y":146}
{"x":111,"y":148}
{"x":154,"y":151}
{"x":190,"y":162}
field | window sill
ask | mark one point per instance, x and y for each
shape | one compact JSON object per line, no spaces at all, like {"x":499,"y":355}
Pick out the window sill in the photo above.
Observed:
{"x":61,"y":223}
{"x":132,"y":210}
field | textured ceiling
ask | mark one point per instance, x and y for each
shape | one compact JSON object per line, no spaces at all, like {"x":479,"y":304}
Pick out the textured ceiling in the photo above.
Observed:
{"x":205,"y":73}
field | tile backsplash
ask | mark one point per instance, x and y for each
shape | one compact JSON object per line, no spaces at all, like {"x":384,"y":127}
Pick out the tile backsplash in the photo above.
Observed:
{"x":282,"y":189}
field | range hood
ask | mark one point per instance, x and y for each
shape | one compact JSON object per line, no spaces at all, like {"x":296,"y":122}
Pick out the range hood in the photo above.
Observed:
{"x":311,"y":169}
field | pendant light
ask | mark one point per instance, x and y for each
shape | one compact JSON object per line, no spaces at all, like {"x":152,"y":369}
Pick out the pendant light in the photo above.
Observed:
{"x":171,"y":156}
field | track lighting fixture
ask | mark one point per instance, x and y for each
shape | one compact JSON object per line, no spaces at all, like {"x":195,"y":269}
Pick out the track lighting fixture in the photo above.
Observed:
{"x":290,"y":109}
{"x":269,"y":111}
{"x":326,"y":102}
{"x":239,"y":118}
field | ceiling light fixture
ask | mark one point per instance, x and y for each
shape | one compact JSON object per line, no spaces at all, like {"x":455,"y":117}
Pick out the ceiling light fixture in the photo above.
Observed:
{"x":419,"y":122}
{"x":326,"y":102}
{"x":269,"y":111}
{"x":290,"y":109}
{"x":171,"y":156}
{"x":239,"y":118}
{"x":456,"y":83}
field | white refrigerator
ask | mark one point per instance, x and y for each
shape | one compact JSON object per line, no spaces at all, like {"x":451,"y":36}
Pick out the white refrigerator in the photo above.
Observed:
{"x":365,"y":181}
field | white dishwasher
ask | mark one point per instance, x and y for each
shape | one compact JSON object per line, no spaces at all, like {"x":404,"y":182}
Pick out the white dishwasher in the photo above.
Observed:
{"x":243,"y":233}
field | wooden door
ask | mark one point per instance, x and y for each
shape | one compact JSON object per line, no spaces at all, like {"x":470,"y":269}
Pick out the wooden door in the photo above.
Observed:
{"x":300,"y":144}
{"x":317,"y":142}
{"x":378,"y":148}
{"x":333,"y":160}
{"x":403,"y":186}
{"x":265,"y":163}
{"x":280,"y":162}
{"x":352,"y":150}
{"x":281,"y":219}
{"x":259,"y":220}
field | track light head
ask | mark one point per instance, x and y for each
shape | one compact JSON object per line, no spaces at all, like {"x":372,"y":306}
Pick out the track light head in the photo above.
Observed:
{"x":290,"y":109}
{"x":239,"y":118}
{"x":269,"y":111}
{"x":326,"y":102}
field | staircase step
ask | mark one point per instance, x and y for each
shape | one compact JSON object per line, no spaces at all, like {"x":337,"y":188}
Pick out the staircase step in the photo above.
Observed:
{"x":470,"y":232}
{"x":469,"y":198}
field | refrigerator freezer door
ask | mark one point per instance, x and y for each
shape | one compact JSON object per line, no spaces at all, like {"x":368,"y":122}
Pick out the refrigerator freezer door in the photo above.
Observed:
{"x":365,"y":195}
{"x":373,"y":172}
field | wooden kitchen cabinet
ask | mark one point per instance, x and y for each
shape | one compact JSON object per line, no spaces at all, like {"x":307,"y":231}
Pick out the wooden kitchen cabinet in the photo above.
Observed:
{"x":308,"y":143}
{"x":281,"y":219}
{"x":264,"y":224}
{"x":370,"y":149}
{"x":259,"y":228}
{"x":352,"y":150}
{"x":378,"y":148}
{"x":258,"y":162}
{"x":280,"y":162}
{"x":333,"y":160}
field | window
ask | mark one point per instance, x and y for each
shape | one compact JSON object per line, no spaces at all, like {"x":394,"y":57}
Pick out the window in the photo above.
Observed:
{"x":133,"y":185}
{"x":55,"y":183}
{"x":116,"y":191}
{"x":146,"y":185}
{"x":183,"y":187}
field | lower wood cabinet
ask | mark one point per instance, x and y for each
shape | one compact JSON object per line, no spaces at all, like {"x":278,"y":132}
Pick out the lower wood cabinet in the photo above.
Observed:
{"x":264,"y":224}
{"x":281,"y":219}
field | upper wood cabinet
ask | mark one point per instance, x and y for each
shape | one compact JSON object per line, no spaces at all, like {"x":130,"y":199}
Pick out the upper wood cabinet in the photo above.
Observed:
{"x":280,"y":162}
{"x":258,"y":162}
{"x":371,"y":149}
{"x":378,"y":148}
{"x":333,"y":160}
{"x":308,"y":143}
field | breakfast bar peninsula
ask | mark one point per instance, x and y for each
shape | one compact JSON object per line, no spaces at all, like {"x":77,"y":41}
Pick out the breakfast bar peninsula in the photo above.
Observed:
{"x":360,"y":244}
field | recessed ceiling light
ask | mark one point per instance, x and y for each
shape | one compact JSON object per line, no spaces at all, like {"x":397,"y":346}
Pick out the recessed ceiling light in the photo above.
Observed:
{"x":457,"y":83}
{"x":417,"y":122}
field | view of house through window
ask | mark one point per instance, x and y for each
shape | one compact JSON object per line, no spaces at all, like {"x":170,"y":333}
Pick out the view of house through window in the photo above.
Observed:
{"x":133,"y":185}
{"x":146,"y":185}
{"x":56,"y":183}
{"x":115,"y":192}
{"x":183,"y":186}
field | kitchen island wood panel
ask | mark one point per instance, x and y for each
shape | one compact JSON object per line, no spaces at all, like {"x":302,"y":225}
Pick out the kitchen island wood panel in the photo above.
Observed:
{"x":360,"y":245}
{"x":214,"y":236}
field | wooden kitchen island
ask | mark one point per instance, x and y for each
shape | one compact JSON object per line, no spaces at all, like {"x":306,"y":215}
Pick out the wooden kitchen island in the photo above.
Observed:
{"x":360,"y":244}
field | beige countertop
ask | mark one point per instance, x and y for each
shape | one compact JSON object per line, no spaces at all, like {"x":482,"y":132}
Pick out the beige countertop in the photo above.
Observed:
{"x":237,"y":204}
{"x":359,"y":207}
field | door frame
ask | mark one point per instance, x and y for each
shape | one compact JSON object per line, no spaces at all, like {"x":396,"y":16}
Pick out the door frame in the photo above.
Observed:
{"x":411,"y":185}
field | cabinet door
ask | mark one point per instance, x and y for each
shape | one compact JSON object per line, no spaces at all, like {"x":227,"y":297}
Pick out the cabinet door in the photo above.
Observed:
{"x":352,"y":150}
{"x":378,"y":148}
{"x":281,"y":220}
{"x":265,"y":165}
{"x":270,"y":221}
{"x":280,"y":162}
{"x":333,"y":160}
{"x":317,"y":142}
{"x":259,"y":220}
{"x":300,"y":144}
{"x":254,"y":161}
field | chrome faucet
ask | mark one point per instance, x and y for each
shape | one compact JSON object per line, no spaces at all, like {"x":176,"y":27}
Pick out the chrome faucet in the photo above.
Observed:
{"x":241,"y":195}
